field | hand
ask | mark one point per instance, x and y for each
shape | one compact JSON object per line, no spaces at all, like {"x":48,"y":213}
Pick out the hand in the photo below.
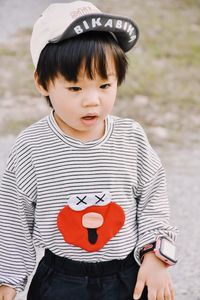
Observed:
{"x":154,"y":274}
{"x":7,"y":293}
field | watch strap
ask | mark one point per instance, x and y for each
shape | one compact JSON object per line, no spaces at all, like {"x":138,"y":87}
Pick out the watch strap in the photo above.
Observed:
{"x":147,"y":248}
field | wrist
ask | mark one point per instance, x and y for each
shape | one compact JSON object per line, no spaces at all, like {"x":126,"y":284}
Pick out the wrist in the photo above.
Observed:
{"x":163,"y":248}
{"x":150,"y":257}
{"x":149,"y":248}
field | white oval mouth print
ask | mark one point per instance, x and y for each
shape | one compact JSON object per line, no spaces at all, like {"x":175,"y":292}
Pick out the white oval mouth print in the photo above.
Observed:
{"x":82,"y":201}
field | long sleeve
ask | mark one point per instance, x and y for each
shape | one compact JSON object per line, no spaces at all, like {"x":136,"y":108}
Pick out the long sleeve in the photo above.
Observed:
{"x":17,"y":253}
{"x":153,"y":212}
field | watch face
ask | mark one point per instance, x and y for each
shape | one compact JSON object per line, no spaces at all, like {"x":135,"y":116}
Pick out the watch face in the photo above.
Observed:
{"x":168,"y":249}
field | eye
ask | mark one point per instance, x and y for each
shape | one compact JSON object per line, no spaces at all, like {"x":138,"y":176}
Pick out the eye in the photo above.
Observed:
{"x":74,"y":89}
{"x":105,"y":86}
{"x":81,"y":201}
{"x":100,"y":199}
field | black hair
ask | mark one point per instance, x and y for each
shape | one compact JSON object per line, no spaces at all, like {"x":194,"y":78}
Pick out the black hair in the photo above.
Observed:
{"x":67,"y":57}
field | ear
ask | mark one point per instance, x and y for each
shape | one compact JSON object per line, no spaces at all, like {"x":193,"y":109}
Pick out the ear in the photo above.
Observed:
{"x":39,"y":87}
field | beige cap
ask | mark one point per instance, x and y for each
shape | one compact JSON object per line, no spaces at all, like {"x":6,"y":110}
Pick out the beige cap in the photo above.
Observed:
{"x":61,"y":21}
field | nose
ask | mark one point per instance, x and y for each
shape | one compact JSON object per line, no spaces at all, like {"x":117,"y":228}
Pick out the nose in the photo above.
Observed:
{"x":91,"y":98}
{"x":92,"y":220}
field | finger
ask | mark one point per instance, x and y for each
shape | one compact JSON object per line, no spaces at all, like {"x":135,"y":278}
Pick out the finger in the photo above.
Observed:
{"x":138,"y":289}
{"x":167,"y":294}
{"x":160,"y":295}
{"x":152,"y":294}
{"x":171,"y":289}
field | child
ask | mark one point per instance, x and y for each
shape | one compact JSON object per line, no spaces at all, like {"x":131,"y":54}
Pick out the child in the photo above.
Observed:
{"x":81,"y":183}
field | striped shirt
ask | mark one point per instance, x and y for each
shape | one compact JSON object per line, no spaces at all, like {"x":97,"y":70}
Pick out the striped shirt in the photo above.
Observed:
{"x":46,"y":167}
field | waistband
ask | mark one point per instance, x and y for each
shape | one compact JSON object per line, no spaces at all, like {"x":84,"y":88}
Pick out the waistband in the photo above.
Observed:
{"x":80,"y":268}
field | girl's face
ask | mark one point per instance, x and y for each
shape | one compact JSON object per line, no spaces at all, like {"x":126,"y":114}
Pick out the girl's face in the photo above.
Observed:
{"x":80,"y":108}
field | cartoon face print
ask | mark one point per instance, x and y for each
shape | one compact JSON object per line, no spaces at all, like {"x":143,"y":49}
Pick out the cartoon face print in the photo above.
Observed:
{"x":90,"y":221}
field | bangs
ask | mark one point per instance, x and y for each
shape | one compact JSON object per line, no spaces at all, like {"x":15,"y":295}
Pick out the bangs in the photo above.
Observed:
{"x":89,"y":51}
{"x":86,"y":55}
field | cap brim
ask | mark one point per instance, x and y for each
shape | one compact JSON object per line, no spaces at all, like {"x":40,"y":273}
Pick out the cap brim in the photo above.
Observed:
{"x":124,"y":29}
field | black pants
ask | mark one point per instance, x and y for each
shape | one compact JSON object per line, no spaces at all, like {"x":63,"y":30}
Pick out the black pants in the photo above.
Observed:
{"x":60,"y":278}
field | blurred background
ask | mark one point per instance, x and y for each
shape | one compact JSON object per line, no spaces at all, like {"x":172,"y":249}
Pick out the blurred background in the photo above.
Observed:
{"x":161,"y":91}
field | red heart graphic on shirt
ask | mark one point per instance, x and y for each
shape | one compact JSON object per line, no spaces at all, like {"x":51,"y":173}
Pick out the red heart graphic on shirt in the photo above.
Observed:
{"x":91,"y":228}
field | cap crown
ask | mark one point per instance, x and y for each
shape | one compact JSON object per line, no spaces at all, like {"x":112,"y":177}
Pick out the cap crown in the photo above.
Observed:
{"x":64,"y":20}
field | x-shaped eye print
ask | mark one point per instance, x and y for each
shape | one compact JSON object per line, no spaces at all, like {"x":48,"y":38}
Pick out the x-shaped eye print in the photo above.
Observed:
{"x":100,"y":199}
{"x":82,"y":201}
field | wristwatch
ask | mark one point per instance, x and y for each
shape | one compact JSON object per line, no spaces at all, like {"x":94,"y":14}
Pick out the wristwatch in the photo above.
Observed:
{"x":163,"y":248}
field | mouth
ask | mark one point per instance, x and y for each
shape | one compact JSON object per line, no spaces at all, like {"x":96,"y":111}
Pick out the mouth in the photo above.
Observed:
{"x":92,"y":221}
{"x":89,"y":119}
{"x":92,"y":235}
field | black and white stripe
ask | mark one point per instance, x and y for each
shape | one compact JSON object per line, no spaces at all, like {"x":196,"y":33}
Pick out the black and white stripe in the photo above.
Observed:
{"x":46,"y":167}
